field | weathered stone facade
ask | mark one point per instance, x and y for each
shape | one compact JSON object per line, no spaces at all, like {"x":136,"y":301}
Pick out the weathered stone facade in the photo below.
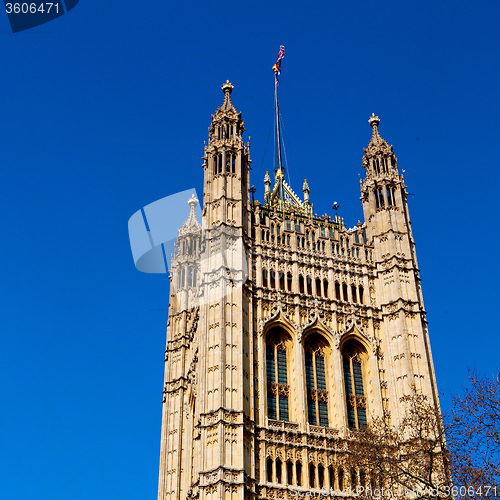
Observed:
{"x":286,"y":330}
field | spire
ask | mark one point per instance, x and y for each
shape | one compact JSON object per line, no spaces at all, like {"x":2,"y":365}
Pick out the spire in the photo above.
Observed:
{"x":226,"y":121}
{"x":227,"y":88}
{"x":377,"y":144}
{"x":378,"y":155}
{"x":376,"y":140}
{"x":191,"y":225}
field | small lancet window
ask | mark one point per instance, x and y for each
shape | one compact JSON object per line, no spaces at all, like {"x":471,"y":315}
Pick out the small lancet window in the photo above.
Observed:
{"x":289,"y":282}
{"x":289,"y":472}
{"x":344,"y":292}
{"x":321,"y":476}
{"x":282,"y":281}
{"x":273,"y":279}
{"x":312,"y":475}
{"x":390,"y":201}
{"x":278,"y":471}
{"x":353,"y":293}
{"x":318,"y":287}
{"x":309,"y":285}
{"x":301,"y":284}
{"x":337,"y":290}
{"x":360,"y":290}
{"x":264,"y":277}
{"x":298,"y":472}
{"x":325,"y":288}
{"x":269,"y":467}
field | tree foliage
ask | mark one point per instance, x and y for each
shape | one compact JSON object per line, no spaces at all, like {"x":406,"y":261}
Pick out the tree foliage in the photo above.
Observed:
{"x":473,"y":431}
{"x":410,"y":458}
{"x":457,"y":458}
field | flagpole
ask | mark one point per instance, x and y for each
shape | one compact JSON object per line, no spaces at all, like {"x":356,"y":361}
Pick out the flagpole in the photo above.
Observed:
{"x":279,"y":167}
{"x":278,"y":140}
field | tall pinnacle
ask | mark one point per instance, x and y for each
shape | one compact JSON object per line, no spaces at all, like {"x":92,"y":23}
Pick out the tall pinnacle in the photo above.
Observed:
{"x":374,"y":121}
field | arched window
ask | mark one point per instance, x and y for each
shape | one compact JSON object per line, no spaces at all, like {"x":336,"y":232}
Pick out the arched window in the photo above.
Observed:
{"x":353,"y":355}
{"x":282,"y":281}
{"x":278,"y":471}
{"x":325,"y":288}
{"x":298,"y":471}
{"x":301,"y":284}
{"x":353,"y":293}
{"x":360,"y":290}
{"x":389,"y":197}
{"x":273,"y":279}
{"x":317,"y":394}
{"x":337,"y":290}
{"x":269,"y":467}
{"x":264,"y":277}
{"x":312,"y":476}
{"x":318,"y":287}
{"x":309,"y":285}
{"x":379,"y":197}
{"x":289,"y":282}
{"x":277,"y":376}
{"x":321,"y":476}
{"x":344,"y":292}
{"x":341,"y":479}
{"x":289,"y":472}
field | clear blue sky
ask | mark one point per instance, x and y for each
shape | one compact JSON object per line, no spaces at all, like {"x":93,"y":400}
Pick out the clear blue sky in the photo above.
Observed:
{"x":105,"y":110}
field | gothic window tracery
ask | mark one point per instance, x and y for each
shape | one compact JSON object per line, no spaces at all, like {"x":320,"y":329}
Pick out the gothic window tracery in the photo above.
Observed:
{"x":317,"y":393}
{"x":353,"y":356}
{"x":277,"y":376}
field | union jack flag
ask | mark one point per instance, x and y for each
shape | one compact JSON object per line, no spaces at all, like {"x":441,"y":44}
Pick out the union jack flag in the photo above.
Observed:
{"x":277,"y":66}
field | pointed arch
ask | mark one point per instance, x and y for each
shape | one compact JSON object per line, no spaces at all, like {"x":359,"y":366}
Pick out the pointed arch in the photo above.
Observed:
{"x":278,"y":340}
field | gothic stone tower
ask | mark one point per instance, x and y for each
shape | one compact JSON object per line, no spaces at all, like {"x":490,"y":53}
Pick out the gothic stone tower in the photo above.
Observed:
{"x":286,"y":331}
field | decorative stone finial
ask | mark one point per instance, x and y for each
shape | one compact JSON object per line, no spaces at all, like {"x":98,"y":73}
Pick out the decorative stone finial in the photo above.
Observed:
{"x":267,"y":183}
{"x":305,"y":190}
{"x":228,"y":87}
{"x":374,"y":120}
{"x":193,"y":202}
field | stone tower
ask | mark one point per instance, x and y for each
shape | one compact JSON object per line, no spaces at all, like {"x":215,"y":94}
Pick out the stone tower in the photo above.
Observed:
{"x":286,"y":330}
